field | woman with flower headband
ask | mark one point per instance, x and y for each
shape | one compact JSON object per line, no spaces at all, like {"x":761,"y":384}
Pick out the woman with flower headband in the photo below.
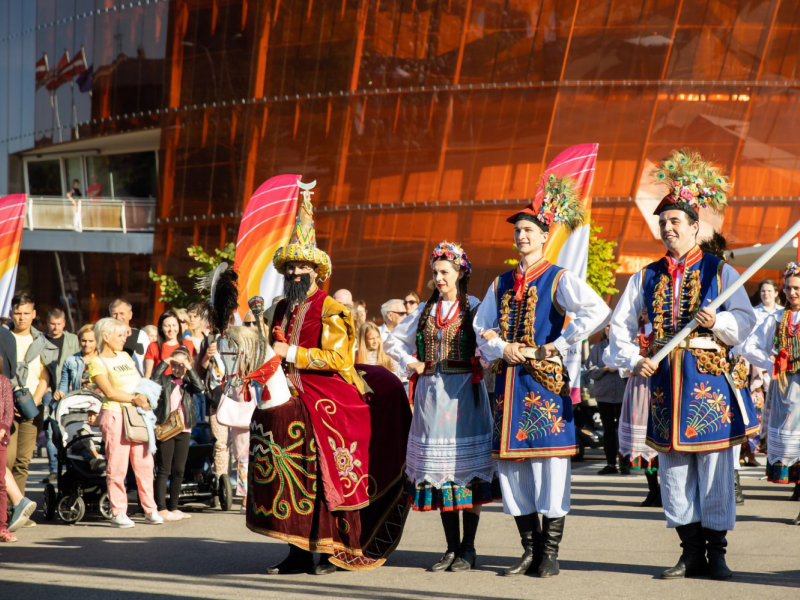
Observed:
{"x":775,"y":346}
{"x":449,"y":460}
{"x":521,"y":324}
{"x":698,"y":412}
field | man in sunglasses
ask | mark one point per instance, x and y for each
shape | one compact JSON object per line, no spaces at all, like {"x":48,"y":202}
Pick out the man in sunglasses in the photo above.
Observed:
{"x":393,"y":312}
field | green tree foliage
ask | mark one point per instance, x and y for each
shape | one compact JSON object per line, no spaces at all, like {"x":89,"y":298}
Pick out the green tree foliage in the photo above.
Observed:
{"x":171,"y":291}
{"x":601,"y":268}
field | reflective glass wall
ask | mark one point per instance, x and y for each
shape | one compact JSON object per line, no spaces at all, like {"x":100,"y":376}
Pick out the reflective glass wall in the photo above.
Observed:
{"x":425,"y":120}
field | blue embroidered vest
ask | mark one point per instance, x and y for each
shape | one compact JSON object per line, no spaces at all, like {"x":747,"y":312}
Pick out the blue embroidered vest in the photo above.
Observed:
{"x":693,"y":404}
{"x":532,"y":410}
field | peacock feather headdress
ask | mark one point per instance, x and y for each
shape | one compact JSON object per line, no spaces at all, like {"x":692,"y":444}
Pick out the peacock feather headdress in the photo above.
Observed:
{"x":693,"y":181}
{"x":561,"y":203}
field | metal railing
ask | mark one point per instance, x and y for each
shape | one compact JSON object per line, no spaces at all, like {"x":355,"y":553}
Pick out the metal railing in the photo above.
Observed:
{"x":91,"y":214}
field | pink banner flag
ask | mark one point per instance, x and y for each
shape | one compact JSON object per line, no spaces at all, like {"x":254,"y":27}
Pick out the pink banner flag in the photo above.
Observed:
{"x":266,"y":225}
{"x":12,"y":220}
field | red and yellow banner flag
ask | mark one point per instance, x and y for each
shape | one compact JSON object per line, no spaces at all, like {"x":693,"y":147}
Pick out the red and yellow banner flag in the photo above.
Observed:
{"x":12,"y":220}
{"x":571,"y":250}
{"x":266,"y":225}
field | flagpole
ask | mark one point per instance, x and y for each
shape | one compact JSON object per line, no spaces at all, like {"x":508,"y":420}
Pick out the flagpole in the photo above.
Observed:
{"x":729,"y":291}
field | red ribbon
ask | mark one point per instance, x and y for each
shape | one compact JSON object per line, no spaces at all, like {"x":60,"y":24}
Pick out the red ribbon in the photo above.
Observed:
{"x":519,"y":284}
{"x":674,"y":267}
{"x":477,"y":369}
{"x":781,"y":363}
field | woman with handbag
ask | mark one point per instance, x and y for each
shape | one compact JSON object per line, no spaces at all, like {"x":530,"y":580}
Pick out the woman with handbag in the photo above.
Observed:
{"x":115,"y":373}
{"x":175,"y":416}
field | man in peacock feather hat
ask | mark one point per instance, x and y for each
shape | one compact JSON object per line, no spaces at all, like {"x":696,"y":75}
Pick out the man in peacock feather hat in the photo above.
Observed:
{"x":521,"y":327}
{"x":318,"y":480}
{"x":698,"y":411}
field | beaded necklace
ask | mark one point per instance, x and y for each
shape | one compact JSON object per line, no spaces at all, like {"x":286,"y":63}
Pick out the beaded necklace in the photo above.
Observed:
{"x":452,"y":314}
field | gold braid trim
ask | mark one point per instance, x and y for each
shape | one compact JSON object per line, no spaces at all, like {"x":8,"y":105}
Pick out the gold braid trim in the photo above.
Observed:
{"x":530,"y":315}
{"x":659,"y":296}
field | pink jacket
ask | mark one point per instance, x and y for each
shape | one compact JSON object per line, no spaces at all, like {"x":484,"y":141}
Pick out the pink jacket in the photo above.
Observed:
{"x":6,"y":408}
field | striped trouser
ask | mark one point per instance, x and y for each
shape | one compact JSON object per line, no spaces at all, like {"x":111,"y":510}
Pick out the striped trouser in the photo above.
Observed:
{"x":698,"y":487}
{"x":535,"y":485}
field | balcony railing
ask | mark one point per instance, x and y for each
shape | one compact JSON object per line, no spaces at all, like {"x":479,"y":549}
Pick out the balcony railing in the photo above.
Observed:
{"x":91,"y":214}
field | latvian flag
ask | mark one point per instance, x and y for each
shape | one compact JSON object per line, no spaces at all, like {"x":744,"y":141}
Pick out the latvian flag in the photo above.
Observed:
{"x":42,"y":71}
{"x":66,"y":69}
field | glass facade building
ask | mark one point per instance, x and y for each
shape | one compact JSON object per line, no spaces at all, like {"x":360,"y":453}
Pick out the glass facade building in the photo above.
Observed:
{"x":421,"y":120}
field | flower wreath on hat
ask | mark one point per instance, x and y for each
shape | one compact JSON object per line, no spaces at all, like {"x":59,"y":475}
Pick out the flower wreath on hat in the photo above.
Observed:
{"x":792,"y":270}
{"x":453,"y":253}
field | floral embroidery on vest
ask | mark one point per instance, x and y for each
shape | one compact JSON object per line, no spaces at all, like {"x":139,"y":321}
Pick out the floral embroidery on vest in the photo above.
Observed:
{"x":707,"y":412}
{"x":659,"y":412}
{"x":538,"y":419}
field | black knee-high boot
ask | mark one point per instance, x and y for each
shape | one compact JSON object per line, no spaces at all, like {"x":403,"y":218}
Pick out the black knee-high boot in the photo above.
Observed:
{"x":552,"y":532}
{"x":717,"y":542}
{"x":692,"y":562}
{"x":452,"y":533}
{"x":530,"y":533}
{"x":653,"y":490}
{"x":737,"y":488}
{"x":467,"y":554}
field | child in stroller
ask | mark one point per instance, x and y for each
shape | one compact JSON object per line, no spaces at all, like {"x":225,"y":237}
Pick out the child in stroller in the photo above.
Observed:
{"x":81,"y":465}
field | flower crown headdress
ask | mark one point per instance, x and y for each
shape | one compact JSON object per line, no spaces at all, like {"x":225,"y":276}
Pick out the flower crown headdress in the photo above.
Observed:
{"x":561,"y":202}
{"x":792,"y":270}
{"x":454,"y":253}
{"x":693,"y":181}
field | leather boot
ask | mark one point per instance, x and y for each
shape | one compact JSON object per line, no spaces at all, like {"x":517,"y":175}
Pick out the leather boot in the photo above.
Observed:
{"x":653,"y":490}
{"x":298,"y":561}
{"x":737,"y":488}
{"x":692,"y":562}
{"x":717,"y":568}
{"x":796,"y":520}
{"x":452,"y":533}
{"x":465,"y":560}
{"x":324,"y":566}
{"x":530,"y":533}
{"x":552,"y":532}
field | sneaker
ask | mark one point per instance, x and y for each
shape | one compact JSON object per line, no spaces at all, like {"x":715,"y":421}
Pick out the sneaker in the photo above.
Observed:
{"x":154,"y":518}
{"x":180,"y":514}
{"x":22,"y":514}
{"x":122,"y":521}
{"x":168,"y":516}
{"x":29,"y":524}
{"x":52,"y":478}
{"x":98,"y":464}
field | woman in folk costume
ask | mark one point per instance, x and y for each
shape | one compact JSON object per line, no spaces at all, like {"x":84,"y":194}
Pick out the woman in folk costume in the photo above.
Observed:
{"x":633,"y":449}
{"x":697,"y":413}
{"x":775,"y":346}
{"x":449,"y":461}
{"x":326,"y":460}
{"x":521,"y":326}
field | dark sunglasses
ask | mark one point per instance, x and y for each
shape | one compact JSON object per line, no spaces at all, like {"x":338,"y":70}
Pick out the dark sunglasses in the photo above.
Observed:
{"x":397,"y":312}
{"x":410,"y":302}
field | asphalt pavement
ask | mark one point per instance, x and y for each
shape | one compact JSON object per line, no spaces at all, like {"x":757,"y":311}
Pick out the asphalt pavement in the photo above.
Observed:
{"x":612,"y":548}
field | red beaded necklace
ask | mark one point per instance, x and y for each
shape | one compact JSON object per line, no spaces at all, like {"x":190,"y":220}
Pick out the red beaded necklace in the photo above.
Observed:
{"x":452,"y":314}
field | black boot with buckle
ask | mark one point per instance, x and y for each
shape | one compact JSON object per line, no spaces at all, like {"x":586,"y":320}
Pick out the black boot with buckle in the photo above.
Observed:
{"x":552,"y":532}
{"x":298,"y":561}
{"x":692,"y":562}
{"x":452,"y":533}
{"x":530,"y":533}
{"x":465,"y":560}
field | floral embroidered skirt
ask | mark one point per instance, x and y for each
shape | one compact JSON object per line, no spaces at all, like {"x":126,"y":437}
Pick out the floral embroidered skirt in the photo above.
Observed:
{"x":780,"y":473}
{"x":451,"y":496}
{"x":639,"y":463}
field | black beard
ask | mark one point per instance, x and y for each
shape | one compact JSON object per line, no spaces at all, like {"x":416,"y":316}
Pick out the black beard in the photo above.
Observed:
{"x":296,"y":291}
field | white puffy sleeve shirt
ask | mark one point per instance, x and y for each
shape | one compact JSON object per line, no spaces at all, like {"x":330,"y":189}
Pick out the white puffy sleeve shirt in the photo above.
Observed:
{"x":735,"y":320}
{"x":587,"y":311}
{"x":401,"y":344}
{"x":759,"y":346}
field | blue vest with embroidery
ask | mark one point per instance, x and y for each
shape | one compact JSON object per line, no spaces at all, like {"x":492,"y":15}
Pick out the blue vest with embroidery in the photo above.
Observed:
{"x":693,"y":397}
{"x":532,"y":410}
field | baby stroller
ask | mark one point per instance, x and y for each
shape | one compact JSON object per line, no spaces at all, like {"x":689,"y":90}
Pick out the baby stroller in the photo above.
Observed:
{"x":200,"y":485}
{"x":81,"y":466}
